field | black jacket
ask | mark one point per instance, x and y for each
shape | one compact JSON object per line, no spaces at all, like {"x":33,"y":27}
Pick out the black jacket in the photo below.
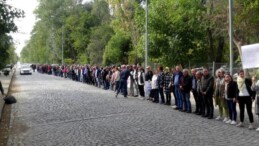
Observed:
{"x":186,"y":83}
{"x":207,"y":84}
{"x":232,"y":89}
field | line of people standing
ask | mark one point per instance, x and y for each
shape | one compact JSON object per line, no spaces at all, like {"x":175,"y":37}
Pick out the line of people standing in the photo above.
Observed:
{"x":160,"y":85}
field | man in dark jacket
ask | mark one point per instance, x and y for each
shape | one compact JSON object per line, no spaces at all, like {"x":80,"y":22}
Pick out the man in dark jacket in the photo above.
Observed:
{"x":207,"y":83}
{"x":186,"y":86}
{"x":125,"y":73}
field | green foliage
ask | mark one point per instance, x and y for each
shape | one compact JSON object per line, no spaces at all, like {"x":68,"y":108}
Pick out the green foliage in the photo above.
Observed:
{"x":7,"y":25}
{"x":113,"y":31}
{"x":117,"y":49}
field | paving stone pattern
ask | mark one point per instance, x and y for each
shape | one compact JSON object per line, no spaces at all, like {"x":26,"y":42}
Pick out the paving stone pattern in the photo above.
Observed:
{"x":53,"y":111}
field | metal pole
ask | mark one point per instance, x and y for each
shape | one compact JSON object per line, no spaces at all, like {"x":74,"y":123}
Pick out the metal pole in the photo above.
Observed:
{"x":213,"y":69}
{"x":62,"y":44}
{"x":231,"y":36}
{"x":146,"y":41}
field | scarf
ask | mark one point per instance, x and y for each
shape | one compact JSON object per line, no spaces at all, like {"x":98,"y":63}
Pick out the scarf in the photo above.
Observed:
{"x":240,"y":83}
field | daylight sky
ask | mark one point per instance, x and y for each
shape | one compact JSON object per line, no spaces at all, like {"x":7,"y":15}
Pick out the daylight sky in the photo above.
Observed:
{"x":25,"y":25}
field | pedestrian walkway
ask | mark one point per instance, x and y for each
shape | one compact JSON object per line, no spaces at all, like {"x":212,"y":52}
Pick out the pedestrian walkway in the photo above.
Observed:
{"x":6,"y":81}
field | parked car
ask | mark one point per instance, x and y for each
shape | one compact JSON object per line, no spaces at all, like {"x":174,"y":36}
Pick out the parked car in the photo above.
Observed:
{"x":7,"y":69}
{"x":25,"y":69}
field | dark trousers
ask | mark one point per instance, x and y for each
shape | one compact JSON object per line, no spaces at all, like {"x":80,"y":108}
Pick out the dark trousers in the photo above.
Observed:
{"x":156,"y":95}
{"x":141,"y":90}
{"x":201,"y":103}
{"x":168,"y":97}
{"x":245,"y":100}
{"x":117,"y":85}
{"x":209,"y":105}
{"x":161,"y":92}
{"x":123,"y":88}
{"x":196,"y":99}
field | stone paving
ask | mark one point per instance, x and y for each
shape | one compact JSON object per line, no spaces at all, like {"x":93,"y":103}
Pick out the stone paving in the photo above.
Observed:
{"x":53,"y":111}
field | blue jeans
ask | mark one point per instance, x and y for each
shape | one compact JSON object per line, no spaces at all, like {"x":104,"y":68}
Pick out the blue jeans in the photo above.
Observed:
{"x":179,"y":97}
{"x":232,"y":110}
{"x":186,"y":102}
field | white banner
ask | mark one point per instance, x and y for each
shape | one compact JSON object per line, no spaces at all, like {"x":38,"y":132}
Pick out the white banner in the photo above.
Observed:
{"x":250,"y":56}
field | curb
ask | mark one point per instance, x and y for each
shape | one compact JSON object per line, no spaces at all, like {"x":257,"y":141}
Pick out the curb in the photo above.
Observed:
{"x":2,"y":103}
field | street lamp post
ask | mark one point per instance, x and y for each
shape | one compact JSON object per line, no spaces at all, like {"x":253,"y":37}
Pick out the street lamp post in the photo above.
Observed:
{"x":231,"y":36}
{"x":146,"y":36}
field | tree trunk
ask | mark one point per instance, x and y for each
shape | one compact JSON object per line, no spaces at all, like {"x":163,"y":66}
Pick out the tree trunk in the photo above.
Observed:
{"x":220,"y":50}
{"x":211,"y":48}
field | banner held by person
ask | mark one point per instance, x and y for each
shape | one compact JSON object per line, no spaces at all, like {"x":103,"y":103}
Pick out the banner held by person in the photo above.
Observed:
{"x":250,"y":56}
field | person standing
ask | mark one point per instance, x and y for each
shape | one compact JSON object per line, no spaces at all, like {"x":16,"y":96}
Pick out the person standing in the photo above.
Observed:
{"x":186,"y":86}
{"x":97,"y":75}
{"x":167,"y":86}
{"x":176,"y":83}
{"x":219,"y":94}
{"x":207,"y":83}
{"x":148,"y":78}
{"x":141,"y":83}
{"x":245,"y":98}
{"x":172,"y":86}
{"x":154,"y":85}
{"x":123,"y":81}
{"x":135,"y":81}
{"x":161,"y":80}
{"x":199,"y":94}
{"x":194,"y":91}
{"x":255,"y":87}
{"x":230,"y":95}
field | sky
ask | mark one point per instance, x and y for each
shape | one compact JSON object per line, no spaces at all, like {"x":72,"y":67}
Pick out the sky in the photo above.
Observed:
{"x":25,"y":25}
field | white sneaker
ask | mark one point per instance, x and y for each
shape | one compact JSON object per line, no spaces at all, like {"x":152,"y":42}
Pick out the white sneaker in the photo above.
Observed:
{"x":218,"y":118}
{"x":225,"y":119}
{"x":257,"y":129}
{"x":228,"y":121}
{"x":233,"y":123}
{"x":240,"y":124}
{"x":251,"y":126}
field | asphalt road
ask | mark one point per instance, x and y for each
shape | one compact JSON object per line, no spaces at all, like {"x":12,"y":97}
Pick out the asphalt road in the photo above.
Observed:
{"x":56,"y":111}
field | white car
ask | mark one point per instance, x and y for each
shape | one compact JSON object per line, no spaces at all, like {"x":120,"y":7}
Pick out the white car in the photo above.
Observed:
{"x":25,"y":69}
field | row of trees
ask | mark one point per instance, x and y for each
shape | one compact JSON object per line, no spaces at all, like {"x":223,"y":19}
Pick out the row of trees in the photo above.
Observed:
{"x":105,"y":32}
{"x":7,"y":25}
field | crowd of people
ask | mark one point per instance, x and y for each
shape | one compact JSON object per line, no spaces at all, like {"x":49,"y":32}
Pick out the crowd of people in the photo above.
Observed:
{"x":160,"y":84}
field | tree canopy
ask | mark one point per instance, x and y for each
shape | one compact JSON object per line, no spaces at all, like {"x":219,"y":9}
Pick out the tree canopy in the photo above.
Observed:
{"x":7,"y":25}
{"x":105,"y":32}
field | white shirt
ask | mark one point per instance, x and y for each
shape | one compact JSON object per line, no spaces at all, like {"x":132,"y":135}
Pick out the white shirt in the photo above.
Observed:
{"x":243,"y":92}
{"x":139,"y":78}
{"x":154,"y":82}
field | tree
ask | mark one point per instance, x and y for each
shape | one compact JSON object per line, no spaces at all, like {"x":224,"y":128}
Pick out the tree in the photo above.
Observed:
{"x":7,"y":25}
